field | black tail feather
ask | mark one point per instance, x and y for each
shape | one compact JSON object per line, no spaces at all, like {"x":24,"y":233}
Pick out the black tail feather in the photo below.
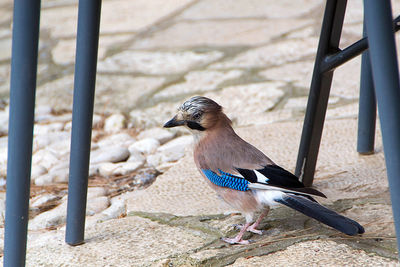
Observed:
{"x":322,"y":214}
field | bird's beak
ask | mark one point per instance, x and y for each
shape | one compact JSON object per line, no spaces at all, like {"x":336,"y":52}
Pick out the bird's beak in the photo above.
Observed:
{"x":173,"y":123}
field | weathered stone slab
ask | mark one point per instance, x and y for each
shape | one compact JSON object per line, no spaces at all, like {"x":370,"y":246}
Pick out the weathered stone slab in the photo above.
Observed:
{"x":249,"y":99}
{"x":198,"y":81}
{"x":248,"y":32}
{"x":318,"y":253}
{"x":298,"y":73}
{"x":130,"y":241}
{"x":64,"y":52}
{"x":156,"y":62}
{"x":113,"y":93}
{"x":116,"y":93}
{"x":132,"y":16}
{"x":274,"y":54}
{"x":138,"y":15}
{"x":222,"y":9}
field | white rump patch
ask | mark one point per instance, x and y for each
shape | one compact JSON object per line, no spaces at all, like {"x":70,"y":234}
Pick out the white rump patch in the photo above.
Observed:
{"x":268,"y":197}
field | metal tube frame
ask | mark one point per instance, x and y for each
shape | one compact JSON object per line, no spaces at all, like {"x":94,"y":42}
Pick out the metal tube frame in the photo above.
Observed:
{"x":85,"y":79}
{"x":386,"y":80}
{"x":342,"y":56}
{"x":367,"y":106}
{"x":329,"y":57}
{"x":319,"y":91}
{"x":20,"y":134}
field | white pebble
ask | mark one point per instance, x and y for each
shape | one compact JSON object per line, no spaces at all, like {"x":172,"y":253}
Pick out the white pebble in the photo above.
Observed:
{"x":51,"y":218}
{"x":109,"y":154}
{"x":157,"y":133}
{"x":45,"y":158}
{"x":41,"y":200}
{"x":114,"y":123}
{"x":135,"y":155}
{"x":96,"y":192}
{"x":146,"y":146}
{"x":120,"y":139}
{"x":37,"y":170}
{"x":44,"y":179}
{"x":107,"y":168}
{"x":175,"y":149}
{"x":60,"y":175}
{"x":117,"y":209}
{"x":125,"y":168}
{"x":96,"y":205}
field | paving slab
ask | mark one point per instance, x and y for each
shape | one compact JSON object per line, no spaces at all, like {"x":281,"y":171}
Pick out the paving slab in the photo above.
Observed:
{"x":123,"y":92}
{"x":130,"y":241}
{"x":64,"y":52}
{"x":198,"y":82}
{"x":117,"y":16}
{"x":222,"y":9}
{"x":57,"y":93}
{"x":113,"y":92}
{"x":274,"y":54}
{"x":297,"y":73}
{"x":222,"y":33}
{"x":157,"y":62}
{"x":250,"y":99}
{"x":317,"y":253}
{"x":138,"y":15}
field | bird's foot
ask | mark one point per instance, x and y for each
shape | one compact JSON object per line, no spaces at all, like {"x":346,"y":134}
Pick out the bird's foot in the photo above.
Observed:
{"x":249,"y":229}
{"x":254,"y":230}
{"x":234,"y":241}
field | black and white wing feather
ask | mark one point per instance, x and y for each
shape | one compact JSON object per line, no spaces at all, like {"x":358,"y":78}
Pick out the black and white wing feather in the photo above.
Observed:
{"x":274,"y":184}
{"x":273,"y":177}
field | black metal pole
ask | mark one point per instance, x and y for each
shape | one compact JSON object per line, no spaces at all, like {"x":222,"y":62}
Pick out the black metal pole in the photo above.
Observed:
{"x":20,"y":133}
{"x":385,"y":73}
{"x":335,"y":60}
{"x":367,"y":106}
{"x":319,"y":91}
{"x":85,"y":79}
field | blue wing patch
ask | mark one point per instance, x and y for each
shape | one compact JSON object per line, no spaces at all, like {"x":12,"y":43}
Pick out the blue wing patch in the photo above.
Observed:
{"x":226,"y":180}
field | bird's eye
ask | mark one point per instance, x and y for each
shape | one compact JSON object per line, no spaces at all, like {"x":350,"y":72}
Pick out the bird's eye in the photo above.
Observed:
{"x":196,"y":116}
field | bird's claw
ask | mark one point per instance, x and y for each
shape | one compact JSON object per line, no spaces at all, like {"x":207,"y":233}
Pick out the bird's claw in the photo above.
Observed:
{"x":255,"y":231}
{"x":250,"y":229}
{"x":234,"y":241}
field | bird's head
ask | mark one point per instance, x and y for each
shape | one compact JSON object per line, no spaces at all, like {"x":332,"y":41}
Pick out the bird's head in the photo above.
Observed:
{"x":198,"y":113}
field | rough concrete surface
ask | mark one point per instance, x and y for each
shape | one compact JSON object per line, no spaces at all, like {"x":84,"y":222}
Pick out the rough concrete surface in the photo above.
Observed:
{"x":148,"y":205}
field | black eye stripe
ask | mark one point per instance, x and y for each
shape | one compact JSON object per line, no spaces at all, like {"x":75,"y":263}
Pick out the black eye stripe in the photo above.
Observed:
{"x":195,"y":126}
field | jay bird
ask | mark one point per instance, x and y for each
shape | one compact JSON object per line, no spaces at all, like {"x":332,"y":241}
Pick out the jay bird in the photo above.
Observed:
{"x":243,"y":176}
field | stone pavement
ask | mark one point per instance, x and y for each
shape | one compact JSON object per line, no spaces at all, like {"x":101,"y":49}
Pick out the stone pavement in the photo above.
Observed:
{"x":254,"y":57}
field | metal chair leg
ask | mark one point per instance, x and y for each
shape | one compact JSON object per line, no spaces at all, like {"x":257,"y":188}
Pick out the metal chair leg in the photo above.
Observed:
{"x":386,"y":80}
{"x":85,"y":79}
{"x":20,"y":134}
{"x":319,"y":91}
{"x":367,"y":107}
